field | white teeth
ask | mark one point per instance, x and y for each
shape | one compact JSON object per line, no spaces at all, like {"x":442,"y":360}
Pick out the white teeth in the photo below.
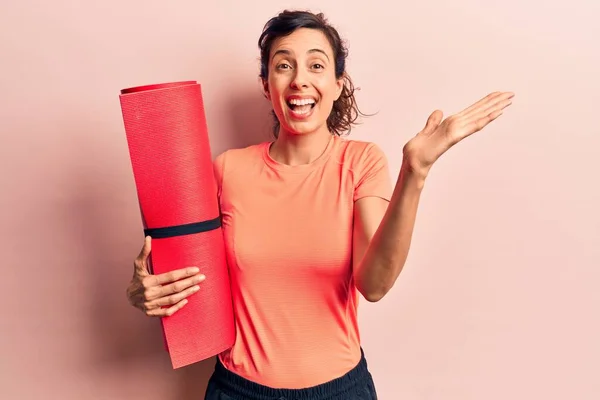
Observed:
{"x":305,"y":111}
{"x":302,"y":102}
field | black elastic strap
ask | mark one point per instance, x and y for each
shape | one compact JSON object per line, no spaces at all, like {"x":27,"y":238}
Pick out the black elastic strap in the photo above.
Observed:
{"x":186,"y":229}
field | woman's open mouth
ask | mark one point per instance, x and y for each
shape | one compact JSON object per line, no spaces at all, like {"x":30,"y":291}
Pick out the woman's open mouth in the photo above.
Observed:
{"x":301,"y":107}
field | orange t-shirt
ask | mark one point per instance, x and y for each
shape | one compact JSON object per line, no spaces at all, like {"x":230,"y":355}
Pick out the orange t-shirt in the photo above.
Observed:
{"x":288,"y":238}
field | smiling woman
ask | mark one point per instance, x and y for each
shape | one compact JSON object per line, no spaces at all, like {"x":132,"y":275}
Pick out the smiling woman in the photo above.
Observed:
{"x":302,"y":81}
{"x":300,"y":46}
{"x":310,"y":222}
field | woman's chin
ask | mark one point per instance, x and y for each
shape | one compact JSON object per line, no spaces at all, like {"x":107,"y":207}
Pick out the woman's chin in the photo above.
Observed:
{"x":302,"y":128}
{"x":302,"y":124}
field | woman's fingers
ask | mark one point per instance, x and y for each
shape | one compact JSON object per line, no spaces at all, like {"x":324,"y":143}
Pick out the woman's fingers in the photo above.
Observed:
{"x":166,"y":312}
{"x":480,"y":114}
{"x":478,"y":104}
{"x":163,"y":294}
{"x":156,"y":292}
{"x":479,"y":121}
{"x":501,"y":103}
{"x":174,"y":297}
{"x":151,"y":281}
{"x":489,"y":101}
{"x":171,"y":299}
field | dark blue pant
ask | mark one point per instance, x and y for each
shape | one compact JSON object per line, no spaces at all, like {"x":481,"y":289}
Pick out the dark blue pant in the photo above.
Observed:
{"x":357,"y":384}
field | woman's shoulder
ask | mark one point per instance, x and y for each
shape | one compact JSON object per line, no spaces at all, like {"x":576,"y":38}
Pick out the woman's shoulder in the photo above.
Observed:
{"x":353,"y":152}
{"x":238,"y":157}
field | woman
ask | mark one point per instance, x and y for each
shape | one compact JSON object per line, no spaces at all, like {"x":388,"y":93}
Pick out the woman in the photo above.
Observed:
{"x":310,"y":220}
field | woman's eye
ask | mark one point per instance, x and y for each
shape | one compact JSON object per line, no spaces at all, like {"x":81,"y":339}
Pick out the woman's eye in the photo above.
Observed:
{"x":283,"y":66}
{"x":318,"y":66}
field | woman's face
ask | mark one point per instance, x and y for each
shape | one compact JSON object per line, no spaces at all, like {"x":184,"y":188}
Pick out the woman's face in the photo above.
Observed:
{"x":302,"y":85}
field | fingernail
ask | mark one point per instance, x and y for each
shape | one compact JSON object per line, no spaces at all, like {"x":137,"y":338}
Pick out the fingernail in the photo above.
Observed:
{"x":185,"y":301}
{"x":195,"y":288}
{"x":194,"y":270}
{"x":202,"y":277}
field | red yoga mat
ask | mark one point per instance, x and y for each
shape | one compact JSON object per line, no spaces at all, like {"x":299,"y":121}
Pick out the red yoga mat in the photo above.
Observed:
{"x":167,"y":136}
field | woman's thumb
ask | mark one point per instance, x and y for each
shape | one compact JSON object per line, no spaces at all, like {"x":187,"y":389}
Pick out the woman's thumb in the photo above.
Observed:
{"x":145,"y":252}
{"x":433,"y":121}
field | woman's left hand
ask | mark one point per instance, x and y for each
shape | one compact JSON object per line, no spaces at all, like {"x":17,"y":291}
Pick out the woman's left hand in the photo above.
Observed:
{"x":438,"y":136}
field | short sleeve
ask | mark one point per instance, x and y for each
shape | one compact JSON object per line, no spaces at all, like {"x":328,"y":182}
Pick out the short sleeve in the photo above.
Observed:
{"x":218,"y":166}
{"x":372,"y":173}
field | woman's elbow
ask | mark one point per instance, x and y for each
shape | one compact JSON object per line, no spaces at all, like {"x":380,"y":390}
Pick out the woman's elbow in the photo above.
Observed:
{"x":374,"y":294}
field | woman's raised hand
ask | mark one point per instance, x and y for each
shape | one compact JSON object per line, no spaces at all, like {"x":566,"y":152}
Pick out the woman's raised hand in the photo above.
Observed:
{"x":438,"y":136}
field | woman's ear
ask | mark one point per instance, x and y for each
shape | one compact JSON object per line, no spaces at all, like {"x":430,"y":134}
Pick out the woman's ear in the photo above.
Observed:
{"x":339,"y":85}
{"x":266,"y":89}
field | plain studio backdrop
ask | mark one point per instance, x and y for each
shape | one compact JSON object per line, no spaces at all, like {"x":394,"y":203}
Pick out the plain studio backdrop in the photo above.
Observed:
{"x":499,"y":297}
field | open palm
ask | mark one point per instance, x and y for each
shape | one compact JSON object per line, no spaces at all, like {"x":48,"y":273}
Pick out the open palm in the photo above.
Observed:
{"x":438,"y":136}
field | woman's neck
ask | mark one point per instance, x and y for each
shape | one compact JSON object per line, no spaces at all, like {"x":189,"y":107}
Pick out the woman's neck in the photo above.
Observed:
{"x":299,"y":149}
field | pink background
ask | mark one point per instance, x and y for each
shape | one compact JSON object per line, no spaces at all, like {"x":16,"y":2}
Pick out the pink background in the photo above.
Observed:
{"x":499,"y":298}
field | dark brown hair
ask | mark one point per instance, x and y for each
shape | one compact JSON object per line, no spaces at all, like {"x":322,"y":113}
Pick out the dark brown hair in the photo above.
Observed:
{"x":345,"y":111}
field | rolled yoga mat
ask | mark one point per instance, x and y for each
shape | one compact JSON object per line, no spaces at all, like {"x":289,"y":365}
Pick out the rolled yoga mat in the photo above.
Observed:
{"x":167,"y":136}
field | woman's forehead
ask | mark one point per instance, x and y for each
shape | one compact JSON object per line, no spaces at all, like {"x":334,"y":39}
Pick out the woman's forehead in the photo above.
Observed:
{"x":301,"y":42}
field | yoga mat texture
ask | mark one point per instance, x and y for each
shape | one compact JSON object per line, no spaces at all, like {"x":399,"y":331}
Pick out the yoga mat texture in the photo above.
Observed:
{"x":168,"y":143}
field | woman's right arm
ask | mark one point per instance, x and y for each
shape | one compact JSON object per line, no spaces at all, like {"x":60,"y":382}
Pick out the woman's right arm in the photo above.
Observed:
{"x":160,"y":295}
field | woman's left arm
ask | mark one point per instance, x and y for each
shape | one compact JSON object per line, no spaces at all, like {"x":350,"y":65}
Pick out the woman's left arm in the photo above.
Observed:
{"x":382,"y":235}
{"x":383,"y":231}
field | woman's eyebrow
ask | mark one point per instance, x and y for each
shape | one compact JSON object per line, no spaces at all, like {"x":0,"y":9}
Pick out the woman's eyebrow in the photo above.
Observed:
{"x":287,"y":52}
